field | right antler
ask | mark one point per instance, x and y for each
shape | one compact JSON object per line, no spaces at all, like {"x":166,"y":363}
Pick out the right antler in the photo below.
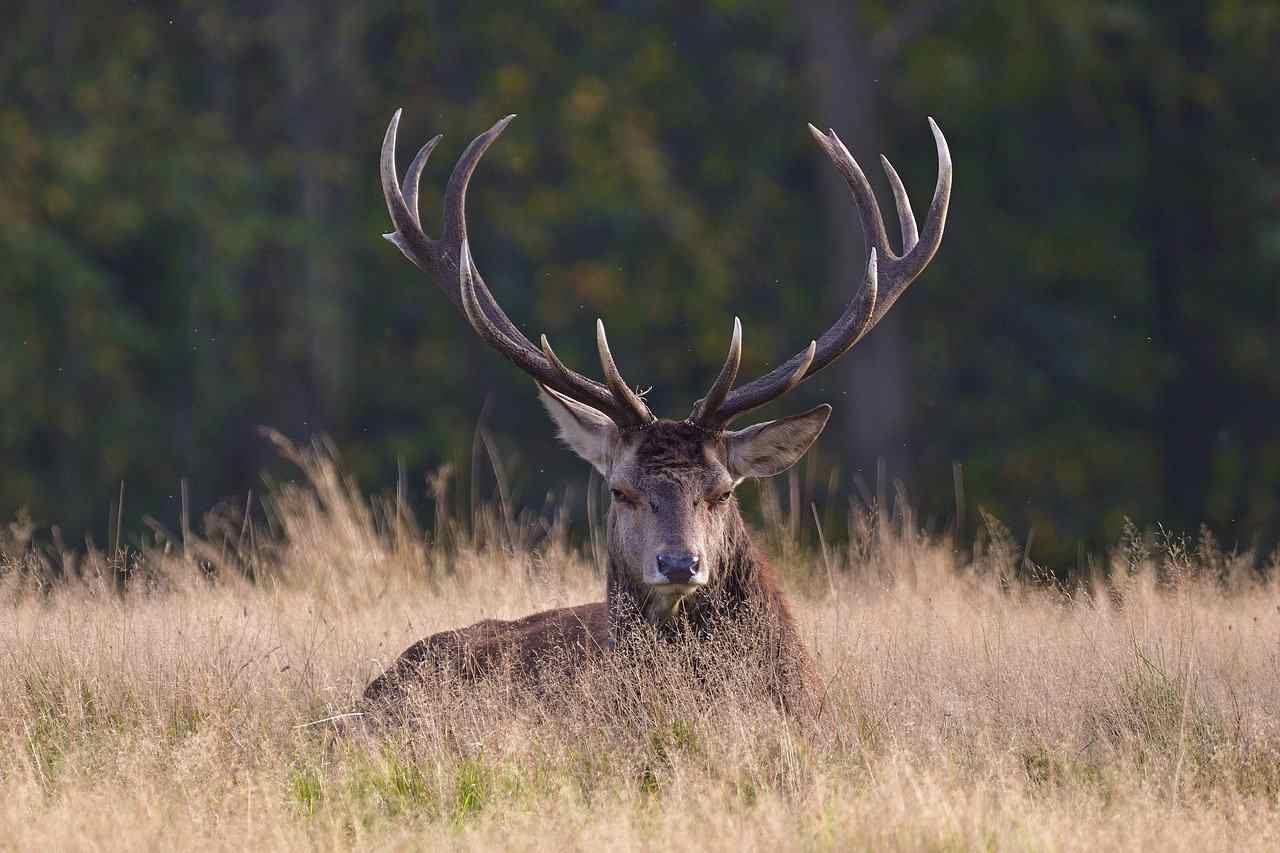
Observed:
{"x":448,"y":261}
{"x":887,"y":276}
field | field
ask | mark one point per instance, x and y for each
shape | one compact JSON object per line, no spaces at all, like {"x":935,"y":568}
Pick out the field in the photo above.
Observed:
{"x":968,"y":707}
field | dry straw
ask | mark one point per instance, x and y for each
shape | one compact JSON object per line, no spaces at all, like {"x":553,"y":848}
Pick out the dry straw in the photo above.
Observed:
{"x":152,"y":699}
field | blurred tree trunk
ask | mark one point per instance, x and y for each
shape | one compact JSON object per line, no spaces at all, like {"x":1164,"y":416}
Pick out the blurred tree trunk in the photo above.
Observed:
{"x":1197,"y":393}
{"x":848,"y":56}
{"x":874,"y":423}
{"x":320,"y":61}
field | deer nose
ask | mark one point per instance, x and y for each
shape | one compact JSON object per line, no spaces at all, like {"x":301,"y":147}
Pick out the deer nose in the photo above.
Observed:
{"x":678,"y":566}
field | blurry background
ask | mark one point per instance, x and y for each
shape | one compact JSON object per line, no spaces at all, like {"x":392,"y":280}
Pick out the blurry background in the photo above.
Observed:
{"x":190,"y":220}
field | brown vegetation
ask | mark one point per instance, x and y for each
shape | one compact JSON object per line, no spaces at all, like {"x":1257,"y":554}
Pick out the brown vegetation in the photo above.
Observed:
{"x":966,"y":708}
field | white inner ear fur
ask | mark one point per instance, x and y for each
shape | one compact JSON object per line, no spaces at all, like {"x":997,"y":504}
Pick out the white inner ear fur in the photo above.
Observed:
{"x":774,"y":446}
{"x":588,"y":432}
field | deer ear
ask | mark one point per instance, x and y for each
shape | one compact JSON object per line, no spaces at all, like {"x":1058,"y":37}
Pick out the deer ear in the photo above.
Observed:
{"x":774,"y":446}
{"x":588,"y":432}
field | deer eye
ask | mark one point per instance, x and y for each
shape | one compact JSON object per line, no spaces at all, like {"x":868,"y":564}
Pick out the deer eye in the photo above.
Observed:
{"x":622,"y":497}
{"x":722,"y":498}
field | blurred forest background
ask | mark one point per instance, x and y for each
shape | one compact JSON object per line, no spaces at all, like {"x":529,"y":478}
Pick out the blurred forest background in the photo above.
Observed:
{"x":190,"y":219}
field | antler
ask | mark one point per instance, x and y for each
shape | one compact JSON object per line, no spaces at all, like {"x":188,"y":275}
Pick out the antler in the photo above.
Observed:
{"x":448,"y":261}
{"x":887,"y":276}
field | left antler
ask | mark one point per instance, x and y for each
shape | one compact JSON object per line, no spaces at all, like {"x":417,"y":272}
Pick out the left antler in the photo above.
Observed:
{"x":887,"y":276}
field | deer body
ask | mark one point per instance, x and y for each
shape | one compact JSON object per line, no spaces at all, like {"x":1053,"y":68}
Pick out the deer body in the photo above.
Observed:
{"x":488,"y":646}
{"x":681,"y":561}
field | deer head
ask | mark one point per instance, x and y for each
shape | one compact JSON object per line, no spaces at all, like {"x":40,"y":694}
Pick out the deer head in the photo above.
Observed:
{"x":673,"y":513}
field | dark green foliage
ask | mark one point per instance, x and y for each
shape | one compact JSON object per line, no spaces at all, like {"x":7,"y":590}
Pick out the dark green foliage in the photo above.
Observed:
{"x":189,"y":221}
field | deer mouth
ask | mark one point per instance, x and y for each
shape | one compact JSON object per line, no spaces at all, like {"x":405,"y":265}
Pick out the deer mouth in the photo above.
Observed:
{"x":677,"y":589}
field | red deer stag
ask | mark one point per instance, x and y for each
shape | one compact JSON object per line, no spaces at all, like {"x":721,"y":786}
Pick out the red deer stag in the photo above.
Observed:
{"x":680,"y":556}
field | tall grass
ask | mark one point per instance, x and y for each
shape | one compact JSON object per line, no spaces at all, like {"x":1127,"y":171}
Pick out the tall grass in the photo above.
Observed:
{"x":184,"y":694}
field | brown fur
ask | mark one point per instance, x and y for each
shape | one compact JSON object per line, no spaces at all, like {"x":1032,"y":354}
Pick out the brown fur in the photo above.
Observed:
{"x":485,"y":647}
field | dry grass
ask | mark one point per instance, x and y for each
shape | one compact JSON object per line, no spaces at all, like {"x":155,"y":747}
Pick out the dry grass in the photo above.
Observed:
{"x":967,"y":709}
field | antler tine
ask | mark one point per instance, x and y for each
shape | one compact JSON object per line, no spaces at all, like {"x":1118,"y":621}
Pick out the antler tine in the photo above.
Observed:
{"x":724,"y":382}
{"x":413,"y":176}
{"x":628,"y":416}
{"x":455,"y":192}
{"x":450,"y":263}
{"x":622,"y":393}
{"x":906,"y":219}
{"x":550,"y":354}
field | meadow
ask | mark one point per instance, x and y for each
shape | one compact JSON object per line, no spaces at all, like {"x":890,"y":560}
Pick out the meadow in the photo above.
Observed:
{"x":198,"y":692}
